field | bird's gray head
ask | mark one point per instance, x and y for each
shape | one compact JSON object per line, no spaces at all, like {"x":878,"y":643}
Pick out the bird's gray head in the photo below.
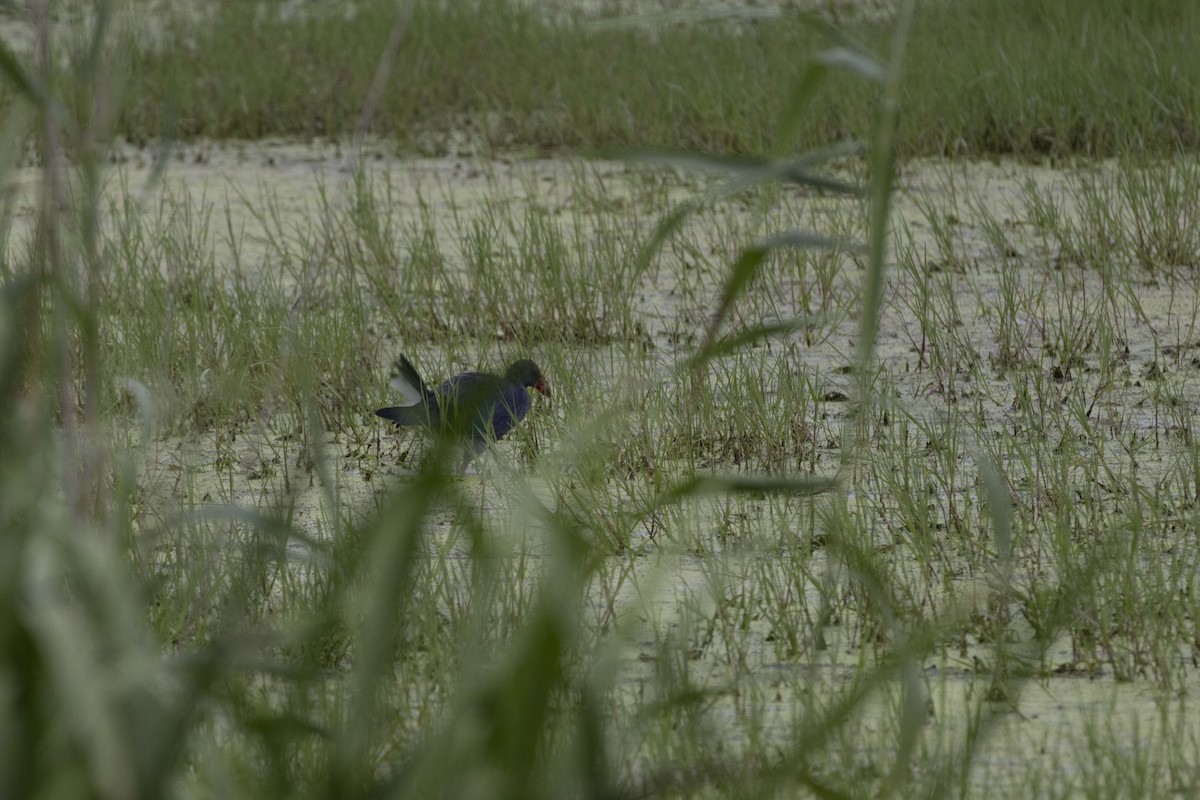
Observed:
{"x":527,"y":373}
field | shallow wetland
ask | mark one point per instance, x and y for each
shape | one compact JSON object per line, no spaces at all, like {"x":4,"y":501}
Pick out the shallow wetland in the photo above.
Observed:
{"x":999,"y":341}
{"x":753,"y":546}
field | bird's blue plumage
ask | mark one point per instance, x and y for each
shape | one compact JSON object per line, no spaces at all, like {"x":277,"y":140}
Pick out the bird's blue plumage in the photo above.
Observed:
{"x":474,"y":406}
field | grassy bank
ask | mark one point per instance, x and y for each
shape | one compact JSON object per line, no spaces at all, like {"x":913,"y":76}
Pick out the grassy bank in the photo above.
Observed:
{"x":1063,"y":77}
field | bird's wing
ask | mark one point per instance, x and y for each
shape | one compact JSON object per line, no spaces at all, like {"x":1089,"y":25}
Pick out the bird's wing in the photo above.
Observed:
{"x":465,"y":394}
{"x":512,"y":407}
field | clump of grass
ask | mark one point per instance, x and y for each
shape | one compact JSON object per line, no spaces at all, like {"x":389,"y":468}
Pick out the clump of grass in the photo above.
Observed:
{"x":1129,"y":213}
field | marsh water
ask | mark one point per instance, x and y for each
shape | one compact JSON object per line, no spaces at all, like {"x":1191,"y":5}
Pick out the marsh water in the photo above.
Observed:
{"x":252,"y":194}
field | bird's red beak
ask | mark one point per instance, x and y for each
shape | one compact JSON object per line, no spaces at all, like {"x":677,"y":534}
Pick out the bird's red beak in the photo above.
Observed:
{"x":542,"y":387}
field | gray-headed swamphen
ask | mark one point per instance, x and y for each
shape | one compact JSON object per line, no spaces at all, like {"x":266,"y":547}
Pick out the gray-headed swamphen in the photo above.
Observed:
{"x":476,"y":407}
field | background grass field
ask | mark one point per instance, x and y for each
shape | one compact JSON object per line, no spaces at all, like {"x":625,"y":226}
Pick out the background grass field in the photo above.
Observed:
{"x":841,"y":494}
{"x":990,"y":77}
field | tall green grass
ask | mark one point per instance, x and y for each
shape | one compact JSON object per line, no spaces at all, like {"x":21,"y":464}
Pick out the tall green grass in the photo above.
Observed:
{"x":1064,"y":77}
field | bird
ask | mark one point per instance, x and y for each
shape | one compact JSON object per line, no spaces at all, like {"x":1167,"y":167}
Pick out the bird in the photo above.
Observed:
{"x":476,"y":407}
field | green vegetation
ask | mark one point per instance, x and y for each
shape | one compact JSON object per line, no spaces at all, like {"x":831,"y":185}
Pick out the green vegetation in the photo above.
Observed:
{"x":800,"y":521}
{"x":1032,"y":78}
